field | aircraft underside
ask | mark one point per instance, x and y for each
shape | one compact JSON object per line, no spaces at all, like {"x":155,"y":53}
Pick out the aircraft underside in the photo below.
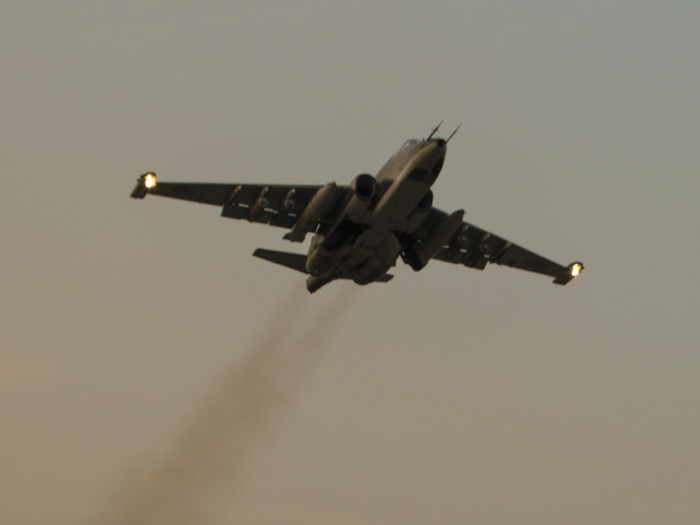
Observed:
{"x":360,"y":230}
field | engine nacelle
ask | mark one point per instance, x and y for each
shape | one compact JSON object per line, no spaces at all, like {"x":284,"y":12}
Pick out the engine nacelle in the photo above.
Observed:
{"x":365,"y":187}
{"x":365,"y":191}
{"x":420,"y":212}
{"x":425,"y":203}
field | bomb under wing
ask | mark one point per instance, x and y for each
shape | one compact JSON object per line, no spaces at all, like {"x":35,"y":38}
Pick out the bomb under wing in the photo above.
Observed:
{"x":310,"y":217}
{"x":439,"y":237}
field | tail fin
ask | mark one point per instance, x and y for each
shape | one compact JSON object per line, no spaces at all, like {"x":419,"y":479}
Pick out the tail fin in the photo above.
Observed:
{"x":295,"y":261}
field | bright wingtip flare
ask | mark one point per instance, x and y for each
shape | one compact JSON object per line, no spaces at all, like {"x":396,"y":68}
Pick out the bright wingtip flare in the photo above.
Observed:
{"x":144,"y":183}
{"x":150,"y":180}
{"x":576,"y":269}
{"x":573,"y":270}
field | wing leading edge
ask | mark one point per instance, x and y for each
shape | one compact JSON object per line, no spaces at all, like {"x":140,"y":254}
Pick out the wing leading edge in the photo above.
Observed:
{"x":475,"y":247}
{"x":275,"y":204}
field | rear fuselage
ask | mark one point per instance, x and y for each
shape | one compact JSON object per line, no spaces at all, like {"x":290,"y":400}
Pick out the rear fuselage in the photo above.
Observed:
{"x":363,"y":243}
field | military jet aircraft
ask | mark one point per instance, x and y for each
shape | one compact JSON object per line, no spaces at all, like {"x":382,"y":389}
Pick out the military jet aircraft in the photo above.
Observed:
{"x":361,"y":230}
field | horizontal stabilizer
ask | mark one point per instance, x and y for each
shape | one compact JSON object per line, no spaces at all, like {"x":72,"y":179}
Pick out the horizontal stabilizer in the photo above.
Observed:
{"x":295,"y":261}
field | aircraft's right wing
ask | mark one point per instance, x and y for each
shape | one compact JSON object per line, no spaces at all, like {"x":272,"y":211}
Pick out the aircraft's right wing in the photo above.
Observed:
{"x":474,"y":247}
{"x":274,"y":204}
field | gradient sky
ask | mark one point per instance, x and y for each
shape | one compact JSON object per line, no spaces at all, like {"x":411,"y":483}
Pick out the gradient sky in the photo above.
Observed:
{"x":449,"y":396}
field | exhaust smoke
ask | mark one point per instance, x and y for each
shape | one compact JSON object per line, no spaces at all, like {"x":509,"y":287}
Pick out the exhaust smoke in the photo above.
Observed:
{"x":190,"y":484}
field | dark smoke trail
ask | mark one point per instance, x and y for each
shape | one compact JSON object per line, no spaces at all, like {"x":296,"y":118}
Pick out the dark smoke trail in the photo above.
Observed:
{"x":191,"y":483}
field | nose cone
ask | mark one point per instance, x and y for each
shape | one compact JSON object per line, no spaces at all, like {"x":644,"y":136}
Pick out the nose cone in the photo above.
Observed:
{"x":435,"y":151}
{"x":438,"y":148}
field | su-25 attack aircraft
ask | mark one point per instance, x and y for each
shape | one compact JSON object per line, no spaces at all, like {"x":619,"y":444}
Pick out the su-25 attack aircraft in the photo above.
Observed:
{"x":362,"y":229}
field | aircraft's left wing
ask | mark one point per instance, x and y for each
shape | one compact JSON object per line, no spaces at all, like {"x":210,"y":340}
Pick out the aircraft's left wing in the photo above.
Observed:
{"x":475,"y":247}
{"x":274,"y":204}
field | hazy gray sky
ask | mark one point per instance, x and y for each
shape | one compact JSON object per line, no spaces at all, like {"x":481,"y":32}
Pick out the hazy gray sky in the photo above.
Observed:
{"x":449,"y":396}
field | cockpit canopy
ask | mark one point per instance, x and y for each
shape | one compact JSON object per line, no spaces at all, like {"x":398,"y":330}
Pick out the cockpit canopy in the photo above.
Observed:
{"x":408,"y":144}
{"x":402,"y":156}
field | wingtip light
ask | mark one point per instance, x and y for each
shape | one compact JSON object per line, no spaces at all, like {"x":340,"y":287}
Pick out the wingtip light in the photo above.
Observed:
{"x":150,"y":180}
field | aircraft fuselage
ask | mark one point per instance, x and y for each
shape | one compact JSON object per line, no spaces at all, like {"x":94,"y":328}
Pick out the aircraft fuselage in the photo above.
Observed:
{"x":362,"y":244}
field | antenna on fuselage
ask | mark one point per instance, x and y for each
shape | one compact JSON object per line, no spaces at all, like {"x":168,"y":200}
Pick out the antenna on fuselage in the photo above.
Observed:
{"x":435,"y":130}
{"x":453,"y":134}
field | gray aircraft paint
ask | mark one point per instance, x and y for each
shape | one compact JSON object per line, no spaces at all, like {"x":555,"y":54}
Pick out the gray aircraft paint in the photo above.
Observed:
{"x":362,"y":229}
{"x":404,"y":179}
